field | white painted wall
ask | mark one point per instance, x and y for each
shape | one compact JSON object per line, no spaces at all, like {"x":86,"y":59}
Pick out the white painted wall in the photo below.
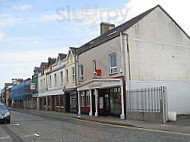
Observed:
{"x":154,"y":64}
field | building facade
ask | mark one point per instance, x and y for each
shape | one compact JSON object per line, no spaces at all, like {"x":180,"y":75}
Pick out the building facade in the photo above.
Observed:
{"x":71,"y":71}
{"x":149,"y":50}
{"x":21,"y":95}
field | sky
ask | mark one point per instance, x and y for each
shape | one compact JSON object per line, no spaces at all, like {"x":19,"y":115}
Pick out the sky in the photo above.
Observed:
{"x":33,"y":30}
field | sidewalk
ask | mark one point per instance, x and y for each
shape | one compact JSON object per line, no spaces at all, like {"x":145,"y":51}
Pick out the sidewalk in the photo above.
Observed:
{"x":113,"y":120}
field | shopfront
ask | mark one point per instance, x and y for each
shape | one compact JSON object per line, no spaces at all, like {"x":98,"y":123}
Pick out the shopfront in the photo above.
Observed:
{"x":71,"y":100}
{"x":102,"y":97}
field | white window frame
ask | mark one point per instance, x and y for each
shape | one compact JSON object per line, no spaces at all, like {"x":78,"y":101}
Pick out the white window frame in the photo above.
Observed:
{"x":73,"y":74}
{"x":61,"y":76}
{"x":81,"y":72}
{"x":50,"y":81}
{"x":67,"y":75}
{"x":112,"y":70}
{"x":94,"y":66}
{"x":87,"y":98}
{"x":55,"y":79}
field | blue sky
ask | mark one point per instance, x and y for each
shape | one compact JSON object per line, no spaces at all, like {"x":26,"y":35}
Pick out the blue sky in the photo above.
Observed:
{"x":33,"y":30}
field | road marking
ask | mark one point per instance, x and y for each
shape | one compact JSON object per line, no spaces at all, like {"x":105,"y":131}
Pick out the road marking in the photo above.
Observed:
{"x":16,"y":124}
{"x":3,"y":138}
{"x":116,"y":125}
{"x":33,"y":135}
{"x":36,"y":135}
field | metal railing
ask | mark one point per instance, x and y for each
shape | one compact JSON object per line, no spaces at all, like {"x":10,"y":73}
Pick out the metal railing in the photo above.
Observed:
{"x":148,"y":100}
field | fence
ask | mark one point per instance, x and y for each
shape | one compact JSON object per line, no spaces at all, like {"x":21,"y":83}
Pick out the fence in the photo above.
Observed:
{"x":148,"y":104}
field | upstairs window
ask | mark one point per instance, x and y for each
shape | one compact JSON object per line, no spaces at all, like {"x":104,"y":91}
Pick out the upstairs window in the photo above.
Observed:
{"x":50,"y":81}
{"x":81,"y":72}
{"x":113,"y":63}
{"x":73,"y":74}
{"x":61,"y":75}
{"x":94,"y":66}
{"x":67,"y":75}
{"x":55,"y":77}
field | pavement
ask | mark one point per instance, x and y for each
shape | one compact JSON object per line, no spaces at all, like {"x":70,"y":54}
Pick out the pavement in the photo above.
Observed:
{"x":182,"y":126}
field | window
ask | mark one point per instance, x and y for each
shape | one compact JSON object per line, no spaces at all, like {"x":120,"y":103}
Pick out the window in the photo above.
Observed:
{"x":67,"y":75}
{"x":81,"y":71}
{"x":71,"y":58}
{"x":55,"y":77}
{"x":87,"y":98}
{"x":73,"y":73}
{"x":41,"y":84}
{"x":44,"y":83}
{"x":50,"y":81}
{"x":113,"y":63}
{"x":82,"y":99}
{"x":94,"y":66}
{"x":61,"y":75}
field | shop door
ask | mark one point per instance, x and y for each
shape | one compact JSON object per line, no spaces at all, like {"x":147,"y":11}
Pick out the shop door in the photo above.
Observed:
{"x":106,"y":104}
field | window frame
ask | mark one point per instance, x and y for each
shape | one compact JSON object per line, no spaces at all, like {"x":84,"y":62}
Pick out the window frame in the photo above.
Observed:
{"x":110,"y":63}
{"x":61,"y":77}
{"x":82,"y":99}
{"x":55,"y":79}
{"x":73,"y":74}
{"x":81,"y":72}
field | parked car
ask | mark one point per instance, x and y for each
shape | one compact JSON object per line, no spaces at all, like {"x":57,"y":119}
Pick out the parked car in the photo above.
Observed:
{"x":5,"y":115}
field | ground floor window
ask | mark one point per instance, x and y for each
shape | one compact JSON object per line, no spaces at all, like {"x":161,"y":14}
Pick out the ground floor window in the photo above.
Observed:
{"x":115,"y":101}
{"x":73,"y":102}
{"x":61,"y":100}
{"x":82,"y":99}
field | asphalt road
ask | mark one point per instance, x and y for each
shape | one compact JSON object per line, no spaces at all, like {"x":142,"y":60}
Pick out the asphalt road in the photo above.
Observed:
{"x":27,"y":127}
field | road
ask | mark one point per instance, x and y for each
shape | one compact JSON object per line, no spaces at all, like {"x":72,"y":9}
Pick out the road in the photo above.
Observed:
{"x":27,"y":127}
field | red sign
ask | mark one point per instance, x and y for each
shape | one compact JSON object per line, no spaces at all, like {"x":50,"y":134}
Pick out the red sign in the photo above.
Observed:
{"x":98,"y":73}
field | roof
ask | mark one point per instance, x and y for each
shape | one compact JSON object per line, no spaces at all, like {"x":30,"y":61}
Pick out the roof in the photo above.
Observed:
{"x":62,"y":56}
{"x":37,"y":69}
{"x":51,"y":61}
{"x":114,"y":32}
{"x":44,"y":64}
{"x":74,"y":50}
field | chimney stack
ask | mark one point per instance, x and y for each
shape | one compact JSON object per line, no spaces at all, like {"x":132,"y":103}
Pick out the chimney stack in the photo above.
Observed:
{"x":104,"y":27}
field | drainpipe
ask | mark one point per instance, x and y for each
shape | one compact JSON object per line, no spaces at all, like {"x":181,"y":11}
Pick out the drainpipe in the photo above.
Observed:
{"x":76,"y":80}
{"x":129,"y":70}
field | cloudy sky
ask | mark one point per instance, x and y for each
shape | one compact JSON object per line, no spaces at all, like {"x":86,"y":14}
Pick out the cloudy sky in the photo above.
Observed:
{"x":33,"y":30}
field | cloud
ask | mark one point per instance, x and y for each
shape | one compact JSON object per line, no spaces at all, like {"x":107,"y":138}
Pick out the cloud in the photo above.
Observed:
{"x":23,"y":7}
{"x":179,"y":10}
{"x":2,"y":35}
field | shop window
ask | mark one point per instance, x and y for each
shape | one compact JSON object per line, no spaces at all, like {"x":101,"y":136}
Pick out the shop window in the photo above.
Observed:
{"x":82,"y":99}
{"x":57,"y":100}
{"x":73,"y":102}
{"x":101,"y":102}
{"x":87,"y":98}
{"x":113,"y":63}
{"x":62,"y":100}
{"x":115,"y":101}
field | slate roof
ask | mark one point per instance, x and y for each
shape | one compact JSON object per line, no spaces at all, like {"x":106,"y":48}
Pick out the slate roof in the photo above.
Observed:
{"x":62,"y":56}
{"x":114,"y":32}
